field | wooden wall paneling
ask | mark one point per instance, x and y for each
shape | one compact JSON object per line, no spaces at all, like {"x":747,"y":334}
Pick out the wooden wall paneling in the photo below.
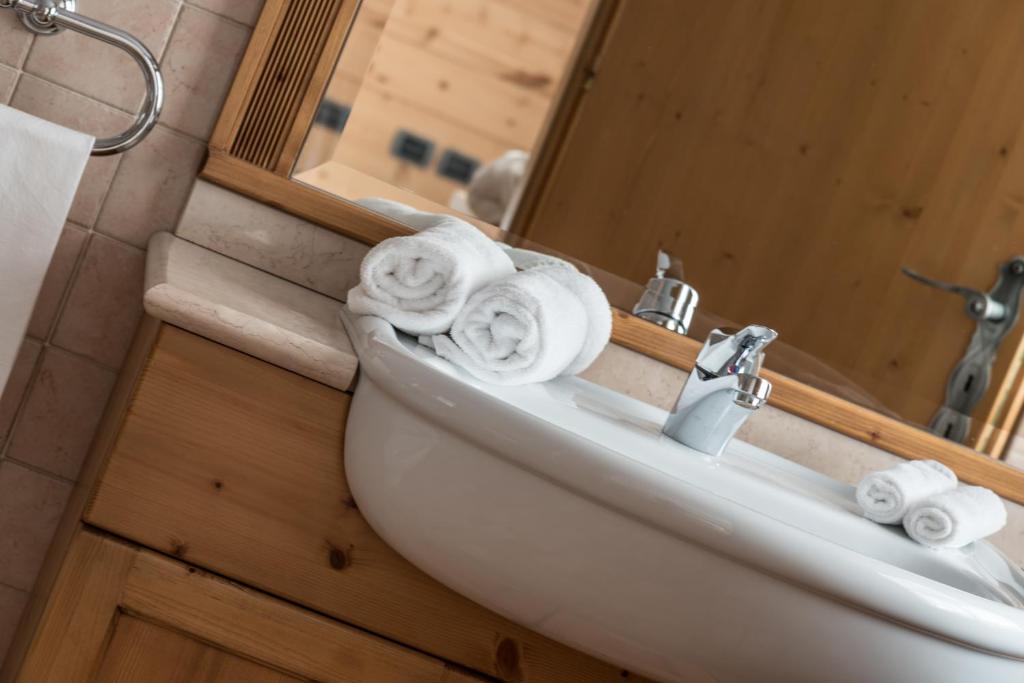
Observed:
{"x":346,"y":79}
{"x":366,"y":145}
{"x":795,"y":157}
{"x":236,"y":465}
{"x":475,"y":76}
{"x":561,"y":120}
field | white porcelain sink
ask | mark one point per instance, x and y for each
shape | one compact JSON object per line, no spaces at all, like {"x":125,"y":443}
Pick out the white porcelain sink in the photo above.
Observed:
{"x":563,"y":508}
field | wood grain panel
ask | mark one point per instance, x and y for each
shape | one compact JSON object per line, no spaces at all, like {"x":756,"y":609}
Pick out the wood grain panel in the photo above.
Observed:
{"x":796,"y":154}
{"x":280,"y":68}
{"x":123,"y":613}
{"x":81,"y":614}
{"x":236,"y":465}
{"x":143,"y":651}
{"x":476,"y":76}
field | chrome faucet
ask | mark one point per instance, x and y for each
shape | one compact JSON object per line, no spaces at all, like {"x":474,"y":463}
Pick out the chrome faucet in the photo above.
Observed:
{"x":723,"y":389}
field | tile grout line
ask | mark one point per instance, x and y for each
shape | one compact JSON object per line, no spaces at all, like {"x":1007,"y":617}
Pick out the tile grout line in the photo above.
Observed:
{"x":23,"y":401}
{"x":225,"y":17}
{"x":41,"y":471}
{"x":14,"y":588}
{"x":72,"y":278}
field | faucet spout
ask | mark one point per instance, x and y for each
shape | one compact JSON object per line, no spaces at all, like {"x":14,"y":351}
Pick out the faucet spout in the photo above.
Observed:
{"x":722,"y":391}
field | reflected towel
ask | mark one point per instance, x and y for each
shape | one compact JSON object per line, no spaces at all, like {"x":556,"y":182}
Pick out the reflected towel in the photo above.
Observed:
{"x":543,"y":322}
{"x":955,"y":518}
{"x":420,"y":282}
{"x":886,"y":496}
{"x":494,"y":186}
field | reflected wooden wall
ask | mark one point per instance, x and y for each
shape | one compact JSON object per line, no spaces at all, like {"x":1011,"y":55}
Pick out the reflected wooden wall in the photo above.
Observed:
{"x":796,"y":154}
{"x":477,"y":76}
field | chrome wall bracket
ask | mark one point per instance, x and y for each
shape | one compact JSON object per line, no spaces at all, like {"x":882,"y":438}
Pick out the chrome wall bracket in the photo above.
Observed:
{"x":995,"y":313}
{"x":41,"y":20}
{"x":46,"y":17}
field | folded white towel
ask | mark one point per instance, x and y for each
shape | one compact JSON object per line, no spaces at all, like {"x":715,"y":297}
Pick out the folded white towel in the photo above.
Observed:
{"x":540,"y":323}
{"x":495,"y":185}
{"x":953,"y":519}
{"x":886,"y":496}
{"x":420,"y":282}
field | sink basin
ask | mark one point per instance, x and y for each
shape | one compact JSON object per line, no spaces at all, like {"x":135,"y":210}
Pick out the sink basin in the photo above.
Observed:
{"x":563,"y":508}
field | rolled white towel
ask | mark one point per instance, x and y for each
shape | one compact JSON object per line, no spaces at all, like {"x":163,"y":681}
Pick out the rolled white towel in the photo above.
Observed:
{"x":886,"y":496}
{"x":540,"y":323}
{"x":420,"y":282}
{"x":953,"y":519}
{"x":494,"y":186}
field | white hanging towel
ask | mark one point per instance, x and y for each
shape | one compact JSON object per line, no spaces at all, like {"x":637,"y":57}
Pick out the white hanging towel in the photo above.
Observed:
{"x":41,"y":165}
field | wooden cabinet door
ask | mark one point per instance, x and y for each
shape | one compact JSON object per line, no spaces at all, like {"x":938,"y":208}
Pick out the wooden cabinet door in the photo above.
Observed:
{"x":143,"y":651}
{"x":120,"y":613}
{"x":232,"y":464}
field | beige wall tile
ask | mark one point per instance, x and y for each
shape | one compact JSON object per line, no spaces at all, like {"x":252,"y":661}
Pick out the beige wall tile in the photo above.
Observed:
{"x":15,"y":40}
{"x":93,"y":68}
{"x":8,"y":79}
{"x":636,"y":375}
{"x":64,"y":407}
{"x":66,"y":108}
{"x":65,"y":257}
{"x":151,"y":187}
{"x":271,"y":240}
{"x":198,"y":68}
{"x":30,"y":507}
{"x":17,"y":385}
{"x":12,"y":604}
{"x":245,"y":11}
{"x":814,"y":446}
{"x":105,"y":303}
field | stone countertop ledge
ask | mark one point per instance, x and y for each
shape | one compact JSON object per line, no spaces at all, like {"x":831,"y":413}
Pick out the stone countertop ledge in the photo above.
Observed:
{"x":247,"y":309}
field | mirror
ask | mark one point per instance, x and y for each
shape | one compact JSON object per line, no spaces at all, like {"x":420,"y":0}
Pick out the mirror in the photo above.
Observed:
{"x":439,"y":103}
{"x":849,"y":173}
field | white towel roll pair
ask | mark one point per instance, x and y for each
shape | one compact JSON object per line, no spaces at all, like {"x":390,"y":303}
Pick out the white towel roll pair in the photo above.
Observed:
{"x":925,"y":497}
{"x":459,"y":292}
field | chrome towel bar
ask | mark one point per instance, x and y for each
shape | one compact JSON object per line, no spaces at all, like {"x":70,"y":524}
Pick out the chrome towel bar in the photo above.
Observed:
{"x":47,"y":17}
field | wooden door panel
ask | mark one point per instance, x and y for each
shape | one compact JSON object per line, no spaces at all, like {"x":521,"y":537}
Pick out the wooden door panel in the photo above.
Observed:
{"x":143,"y":651}
{"x":121,"y":613}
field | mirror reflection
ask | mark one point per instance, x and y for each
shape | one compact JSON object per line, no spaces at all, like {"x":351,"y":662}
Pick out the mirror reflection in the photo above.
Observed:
{"x":850,"y":174}
{"x":438,"y":103}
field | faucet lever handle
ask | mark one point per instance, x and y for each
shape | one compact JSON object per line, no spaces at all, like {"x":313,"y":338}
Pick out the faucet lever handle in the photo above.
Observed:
{"x":731,"y":352}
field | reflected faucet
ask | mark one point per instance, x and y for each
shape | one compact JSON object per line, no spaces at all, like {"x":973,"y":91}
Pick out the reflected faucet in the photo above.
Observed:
{"x":723,"y":389}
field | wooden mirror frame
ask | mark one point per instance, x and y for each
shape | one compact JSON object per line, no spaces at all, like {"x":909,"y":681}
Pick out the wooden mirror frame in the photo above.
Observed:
{"x":271,"y":106}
